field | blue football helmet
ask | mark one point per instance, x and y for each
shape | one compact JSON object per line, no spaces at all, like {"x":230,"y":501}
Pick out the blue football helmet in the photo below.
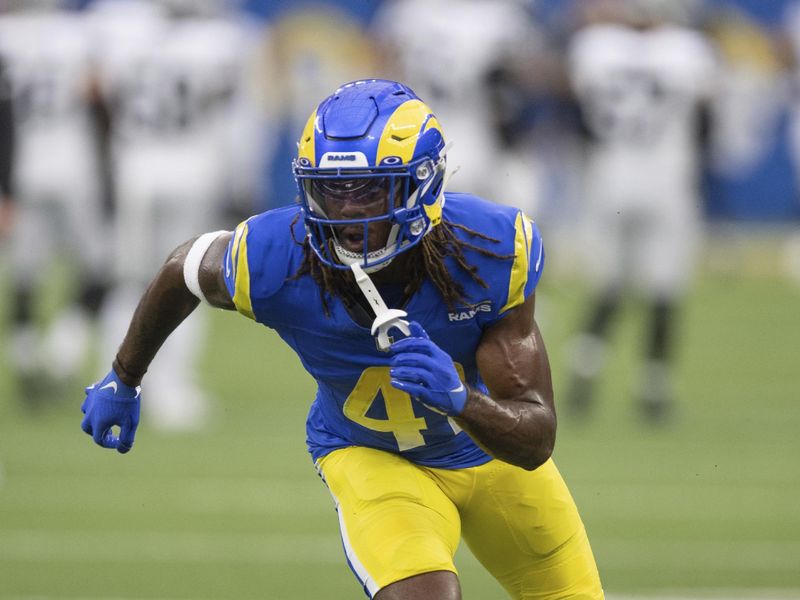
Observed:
{"x":370,"y":165}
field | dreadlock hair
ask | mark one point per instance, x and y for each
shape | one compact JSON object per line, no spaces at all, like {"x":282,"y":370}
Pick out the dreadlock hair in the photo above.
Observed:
{"x":438,"y":244}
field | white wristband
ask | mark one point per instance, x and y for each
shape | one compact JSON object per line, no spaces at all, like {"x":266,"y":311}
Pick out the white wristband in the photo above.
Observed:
{"x":191,"y":266}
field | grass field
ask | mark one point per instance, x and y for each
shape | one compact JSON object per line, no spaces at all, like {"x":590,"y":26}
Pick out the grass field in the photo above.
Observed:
{"x":708,"y":507}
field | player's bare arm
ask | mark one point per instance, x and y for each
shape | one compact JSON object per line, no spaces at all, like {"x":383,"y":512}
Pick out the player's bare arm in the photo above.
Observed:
{"x":517,"y":423}
{"x":166,"y":303}
{"x":112,"y":405}
{"x":211,"y":274}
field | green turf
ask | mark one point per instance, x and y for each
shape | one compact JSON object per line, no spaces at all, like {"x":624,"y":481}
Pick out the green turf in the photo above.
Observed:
{"x":711,"y":502}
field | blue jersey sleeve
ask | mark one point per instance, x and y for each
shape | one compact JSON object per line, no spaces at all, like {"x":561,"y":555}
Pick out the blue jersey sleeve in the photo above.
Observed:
{"x":258,"y":261}
{"x":528,"y":262}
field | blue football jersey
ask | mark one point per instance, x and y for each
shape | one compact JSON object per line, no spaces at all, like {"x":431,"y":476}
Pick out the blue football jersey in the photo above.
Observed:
{"x":355,"y":404}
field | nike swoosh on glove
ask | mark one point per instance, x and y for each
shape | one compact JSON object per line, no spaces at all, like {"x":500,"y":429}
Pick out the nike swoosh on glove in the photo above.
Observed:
{"x":111,"y":403}
{"x":426,"y":372}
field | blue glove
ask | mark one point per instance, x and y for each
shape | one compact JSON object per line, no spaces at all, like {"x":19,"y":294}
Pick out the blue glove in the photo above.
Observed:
{"x":111,"y":403}
{"x":426,"y":372}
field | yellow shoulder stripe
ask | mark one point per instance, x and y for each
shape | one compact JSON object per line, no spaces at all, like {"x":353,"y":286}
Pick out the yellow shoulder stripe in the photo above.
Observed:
{"x":241,"y":296}
{"x":523,"y":238}
{"x":237,"y":235}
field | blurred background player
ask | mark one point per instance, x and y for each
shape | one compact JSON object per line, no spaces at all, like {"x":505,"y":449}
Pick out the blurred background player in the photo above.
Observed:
{"x":456,"y":53}
{"x":641,"y":77}
{"x":57,"y":187}
{"x":789,"y":52}
{"x":172,"y":73}
{"x":6,"y":162}
{"x":6,"y":152}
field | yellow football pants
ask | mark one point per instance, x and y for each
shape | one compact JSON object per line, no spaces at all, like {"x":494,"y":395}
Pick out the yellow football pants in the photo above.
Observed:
{"x":398,"y":519}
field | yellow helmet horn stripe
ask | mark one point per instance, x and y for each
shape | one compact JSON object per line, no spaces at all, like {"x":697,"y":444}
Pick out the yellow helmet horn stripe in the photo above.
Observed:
{"x":400,"y":135}
{"x":402,"y":130}
{"x":305,"y":148}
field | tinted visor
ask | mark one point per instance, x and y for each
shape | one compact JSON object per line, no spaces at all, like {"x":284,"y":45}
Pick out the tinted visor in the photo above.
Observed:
{"x":368,"y":196}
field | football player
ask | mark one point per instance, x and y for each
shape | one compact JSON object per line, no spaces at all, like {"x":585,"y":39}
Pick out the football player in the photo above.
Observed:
{"x":413,"y":309}
{"x":787,"y":46}
{"x":172,"y":73}
{"x":454,"y":56}
{"x":643,"y":81}
{"x":7,"y":138}
{"x":56,"y":179}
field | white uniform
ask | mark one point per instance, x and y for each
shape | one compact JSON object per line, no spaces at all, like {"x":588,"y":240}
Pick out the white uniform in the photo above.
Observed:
{"x":173,"y":85}
{"x":639,"y":91}
{"x":56,"y":168}
{"x":445,"y":51}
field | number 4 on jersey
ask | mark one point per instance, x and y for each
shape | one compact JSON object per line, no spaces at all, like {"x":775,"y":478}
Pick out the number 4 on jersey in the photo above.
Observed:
{"x":400,"y":419}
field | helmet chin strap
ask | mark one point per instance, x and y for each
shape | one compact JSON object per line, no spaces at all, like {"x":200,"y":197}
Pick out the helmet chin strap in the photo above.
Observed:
{"x":352,"y":259}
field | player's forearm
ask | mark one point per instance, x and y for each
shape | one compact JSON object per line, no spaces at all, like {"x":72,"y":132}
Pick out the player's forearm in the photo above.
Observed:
{"x":517,"y":432}
{"x":165,"y":304}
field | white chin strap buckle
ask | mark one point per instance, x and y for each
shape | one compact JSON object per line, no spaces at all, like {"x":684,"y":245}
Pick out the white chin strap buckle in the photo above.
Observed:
{"x":385,"y":318}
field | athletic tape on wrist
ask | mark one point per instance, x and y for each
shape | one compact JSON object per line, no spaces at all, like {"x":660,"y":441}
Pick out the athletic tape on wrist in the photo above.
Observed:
{"x":191,"y":266}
